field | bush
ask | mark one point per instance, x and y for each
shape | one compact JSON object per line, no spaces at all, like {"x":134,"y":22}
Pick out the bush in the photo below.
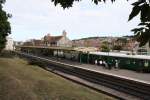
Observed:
{"x":105,"y":48}
{"x":117,"y":47}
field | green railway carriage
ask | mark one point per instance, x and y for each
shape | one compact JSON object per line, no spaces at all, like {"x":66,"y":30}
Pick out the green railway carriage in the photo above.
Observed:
{"x":83,"y":57}
{"x":131,"y":62}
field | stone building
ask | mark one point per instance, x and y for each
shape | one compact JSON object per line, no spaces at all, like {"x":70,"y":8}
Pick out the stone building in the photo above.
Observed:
{"x":59,"y":41}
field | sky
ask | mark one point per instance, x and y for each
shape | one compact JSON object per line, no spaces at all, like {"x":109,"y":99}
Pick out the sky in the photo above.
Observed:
{"x":32,"y":19}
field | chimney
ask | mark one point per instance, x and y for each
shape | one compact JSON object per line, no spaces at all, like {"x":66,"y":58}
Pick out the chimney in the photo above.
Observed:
{"x":48,"y":34}
{"x":64,"y":33}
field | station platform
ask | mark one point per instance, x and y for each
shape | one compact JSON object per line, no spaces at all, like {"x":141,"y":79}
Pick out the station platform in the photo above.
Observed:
{"x":133,"y":75}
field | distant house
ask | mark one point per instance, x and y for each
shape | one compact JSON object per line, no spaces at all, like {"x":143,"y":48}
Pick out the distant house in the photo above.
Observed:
{"x":92,"y":41}
{"x":9,"y":44}
{"x":87,"y":42}
{"x":59,"y":41}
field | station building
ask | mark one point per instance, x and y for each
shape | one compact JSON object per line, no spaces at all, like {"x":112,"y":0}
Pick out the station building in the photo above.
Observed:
{"x":57,"y":41}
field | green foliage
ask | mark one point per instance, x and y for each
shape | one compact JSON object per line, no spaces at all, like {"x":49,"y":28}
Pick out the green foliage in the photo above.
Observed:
{"x":69,"y":3}
{"x":5,"y":28}
{"x":122,"y":41}
{"x":2,"y":1}
{"x":117,"y":47}
{"x":142,"y":33}
{"x":135,"y":12}
{"x":105,"y":46}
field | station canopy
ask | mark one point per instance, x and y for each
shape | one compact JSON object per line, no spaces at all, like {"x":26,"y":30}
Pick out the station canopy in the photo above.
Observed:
{"x":86,"y":49}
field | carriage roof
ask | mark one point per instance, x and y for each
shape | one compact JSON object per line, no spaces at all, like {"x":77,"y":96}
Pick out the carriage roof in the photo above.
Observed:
{"x":122,"y":55}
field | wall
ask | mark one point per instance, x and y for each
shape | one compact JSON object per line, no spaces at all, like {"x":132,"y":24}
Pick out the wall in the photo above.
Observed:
{"x":64,"y":42}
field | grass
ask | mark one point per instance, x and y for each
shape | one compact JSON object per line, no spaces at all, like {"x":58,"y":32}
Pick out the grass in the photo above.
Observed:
{"x":20,"y":81}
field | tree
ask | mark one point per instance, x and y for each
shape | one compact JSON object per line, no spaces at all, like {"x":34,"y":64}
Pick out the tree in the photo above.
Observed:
{"x":142,"y":7}
{"x":5,"y":28}
{"x":142,"y":33}
{"x":117,"y":47}
{"x":105,"y":47}
{"x":121,"y":41}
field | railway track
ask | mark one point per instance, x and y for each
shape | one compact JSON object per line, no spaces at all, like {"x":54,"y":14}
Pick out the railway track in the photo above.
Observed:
{"x":127,"y":88}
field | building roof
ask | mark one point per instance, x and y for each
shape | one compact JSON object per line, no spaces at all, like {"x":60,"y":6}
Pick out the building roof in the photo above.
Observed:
{"x":49,"y":38}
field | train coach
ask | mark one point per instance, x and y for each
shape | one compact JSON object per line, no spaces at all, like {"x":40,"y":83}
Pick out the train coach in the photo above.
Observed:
{"x":132,"y":62}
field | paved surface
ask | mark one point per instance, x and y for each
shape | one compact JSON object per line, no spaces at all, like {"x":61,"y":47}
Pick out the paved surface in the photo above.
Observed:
{"x":120,"y":72}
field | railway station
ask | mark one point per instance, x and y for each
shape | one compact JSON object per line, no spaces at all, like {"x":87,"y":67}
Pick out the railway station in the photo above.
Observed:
{"x":105,"y":56}
{"x":130,"y":66}
{"x":125,"y":61}
{"x":123,"y":84}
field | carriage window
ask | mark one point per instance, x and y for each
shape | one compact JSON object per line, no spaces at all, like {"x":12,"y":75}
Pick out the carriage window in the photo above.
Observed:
{"x":141,"y":63}
{"x":146,"y":63}
{"x":134,"y":62}
{"x":128,"y":61}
